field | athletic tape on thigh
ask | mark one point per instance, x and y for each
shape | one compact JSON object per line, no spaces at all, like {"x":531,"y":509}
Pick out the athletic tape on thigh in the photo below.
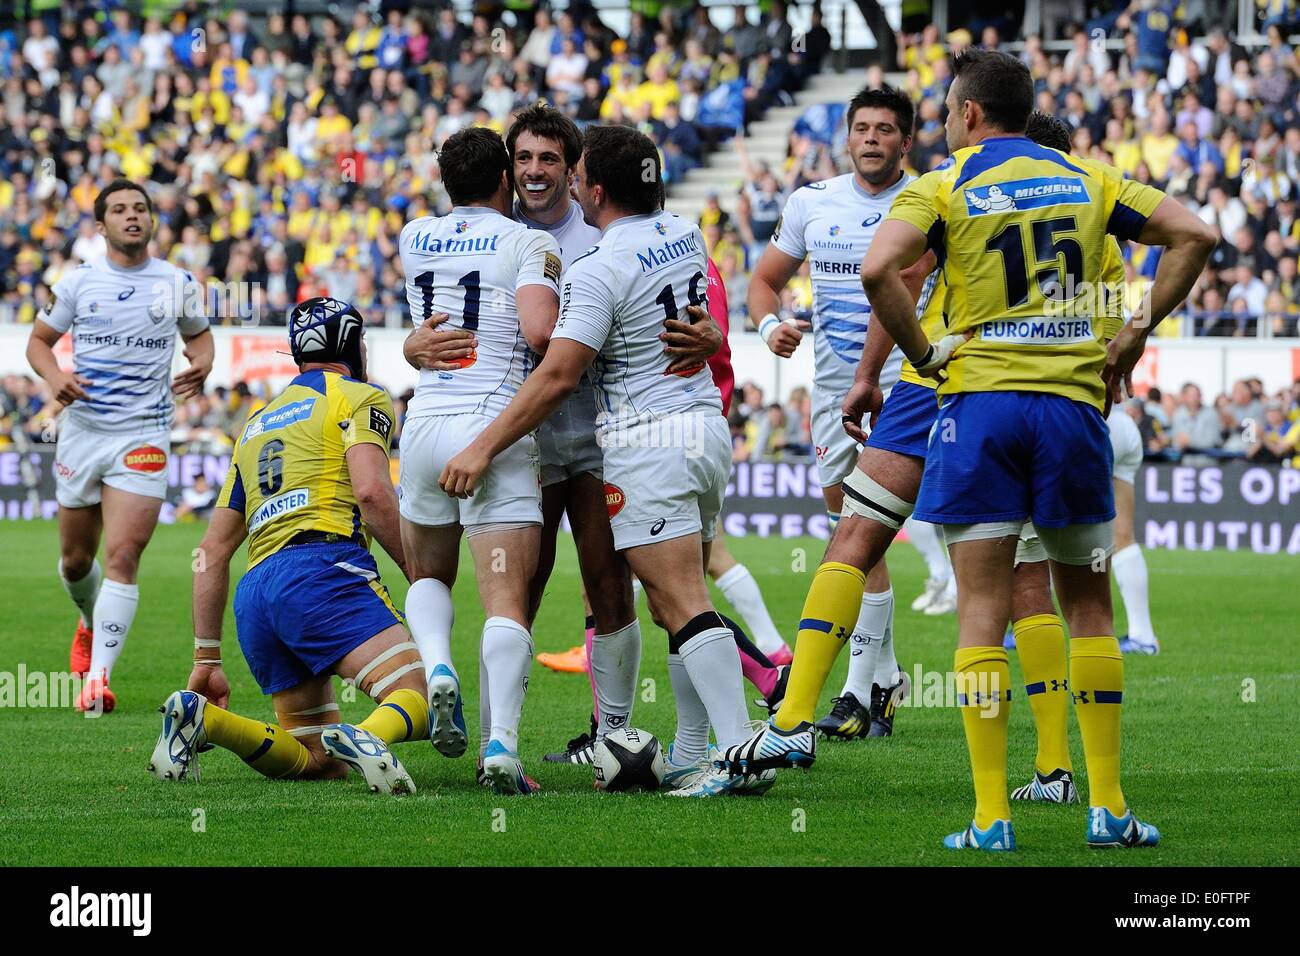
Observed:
{"x":500,"y":526}
{"x":1079,"y":544}
{"x":385,"y":656}
{"x":866,"y":497}
{"x":982,"y":531}
{"x":1029,"y":549}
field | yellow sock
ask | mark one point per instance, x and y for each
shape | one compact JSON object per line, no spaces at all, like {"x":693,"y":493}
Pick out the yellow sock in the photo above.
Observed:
{"x":404,"y":715}
{"x":1040,"y":643}
{"x":1097,"y":684}
{"x":829,"y":613}
{"x":984,"y":696}
{"x":270,"y":750}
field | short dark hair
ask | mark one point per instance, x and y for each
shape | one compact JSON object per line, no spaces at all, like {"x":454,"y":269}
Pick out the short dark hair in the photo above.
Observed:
{"x":471,"y":163}
{"x":885,"y":98}
{"x":546,"y":122}
{"x":618,"y":159}
{"x":999,"y":83}
{"x":116,"y":186}
{"x":1046,"y":130}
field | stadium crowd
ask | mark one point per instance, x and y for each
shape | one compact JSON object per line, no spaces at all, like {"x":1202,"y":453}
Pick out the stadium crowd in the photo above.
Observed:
{"x":285,"y":155}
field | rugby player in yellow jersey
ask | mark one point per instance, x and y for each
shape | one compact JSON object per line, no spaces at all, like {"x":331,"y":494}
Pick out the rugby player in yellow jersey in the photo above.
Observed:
{"x":879,"y":496}
{"x":1020,"y":232}
{"x":308,"y":485}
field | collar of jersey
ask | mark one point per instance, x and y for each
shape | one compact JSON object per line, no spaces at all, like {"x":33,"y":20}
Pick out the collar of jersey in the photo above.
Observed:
{"x":472,"y":211}
{"x":863,"y":194}
{"x":628,"y":220}
{"x":574,"y":210}
{"x":128,"y":270}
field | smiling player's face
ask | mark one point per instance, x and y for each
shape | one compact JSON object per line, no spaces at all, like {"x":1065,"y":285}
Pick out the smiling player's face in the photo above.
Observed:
{"x":127,"y":225}
{"x":541,"y":176}
{"x":877,"y":144}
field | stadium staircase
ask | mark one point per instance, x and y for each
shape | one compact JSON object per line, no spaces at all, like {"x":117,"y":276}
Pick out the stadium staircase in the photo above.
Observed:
{"x":767,"y":141}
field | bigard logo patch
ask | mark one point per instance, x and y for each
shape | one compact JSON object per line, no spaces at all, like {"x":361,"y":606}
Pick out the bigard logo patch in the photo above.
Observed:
{"x":614,"y":499}
{"x":146,"y":458}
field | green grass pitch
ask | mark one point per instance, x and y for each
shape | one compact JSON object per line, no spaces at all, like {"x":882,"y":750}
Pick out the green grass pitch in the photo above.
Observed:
{"x":1217,"y":773}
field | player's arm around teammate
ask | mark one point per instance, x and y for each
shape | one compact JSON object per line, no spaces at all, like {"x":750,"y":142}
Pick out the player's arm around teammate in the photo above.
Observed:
{"x":689,"y":343}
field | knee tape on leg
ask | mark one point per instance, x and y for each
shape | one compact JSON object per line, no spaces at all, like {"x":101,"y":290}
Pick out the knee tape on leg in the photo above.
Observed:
{"x":868,"y":498}
{"x":389,"y":667}
{"x":1079,"y":544}
{"x":696,"y":625}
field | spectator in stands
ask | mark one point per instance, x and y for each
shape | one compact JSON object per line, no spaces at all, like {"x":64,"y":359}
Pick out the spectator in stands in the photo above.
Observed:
{"x":1195,"y":428}
{"x":770,"y":443}
{"x":1279,"y":439}
{"x":1148,"y":425}
{"x":197,"y":501}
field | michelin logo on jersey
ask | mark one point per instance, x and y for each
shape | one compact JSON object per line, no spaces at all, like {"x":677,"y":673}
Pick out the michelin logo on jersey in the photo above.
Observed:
{"x":1024,"y":194}
{"x":281,"y":418}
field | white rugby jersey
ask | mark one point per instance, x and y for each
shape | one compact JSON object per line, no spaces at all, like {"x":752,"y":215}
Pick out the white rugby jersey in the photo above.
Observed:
{"x":124,"y":323}
{"x":831,"y":223}
{"x":616,"y":298}
{"x":469,"y":264}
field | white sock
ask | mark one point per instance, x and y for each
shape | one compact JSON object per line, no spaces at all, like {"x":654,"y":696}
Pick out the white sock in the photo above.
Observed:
{"x":430,"y":614}
{"x":615,"y":661}
{"x":114,"y":611}
{"x":85,"y":591}
{"x":740,"y":588}
{"x":887,"y":663}
{"x":713,"y":662}
{"x":868,"y":638}
{"x":1131,"y":576}
{"x":692,"y":740}
{"x":926,"y":538}
{"x":507,"y":655}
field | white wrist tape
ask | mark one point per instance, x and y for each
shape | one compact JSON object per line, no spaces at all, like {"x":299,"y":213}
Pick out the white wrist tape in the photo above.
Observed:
{"x":939,"y":353}
{"x":202,"y":642}
{"x":769,"y":325}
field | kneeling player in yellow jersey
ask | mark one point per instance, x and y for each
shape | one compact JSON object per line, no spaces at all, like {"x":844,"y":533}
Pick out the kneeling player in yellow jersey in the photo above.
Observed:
{"x":308,"y":483}
{"x":1020,"y":231}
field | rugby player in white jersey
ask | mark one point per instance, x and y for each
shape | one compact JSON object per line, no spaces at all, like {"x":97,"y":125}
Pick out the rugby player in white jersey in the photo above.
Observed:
{"x":496,"y":278}
{"x":666,"y":447}
{"x":544,"y":147}
{"x":831,"y":223}
{"x":124,"y":310}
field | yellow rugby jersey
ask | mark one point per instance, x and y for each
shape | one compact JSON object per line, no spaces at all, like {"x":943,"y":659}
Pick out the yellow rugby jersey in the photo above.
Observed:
{"x":1019,"y":230}
{"x":933,"y":324}
{"x":289,"y":472}
{"x":1113,"y":278}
